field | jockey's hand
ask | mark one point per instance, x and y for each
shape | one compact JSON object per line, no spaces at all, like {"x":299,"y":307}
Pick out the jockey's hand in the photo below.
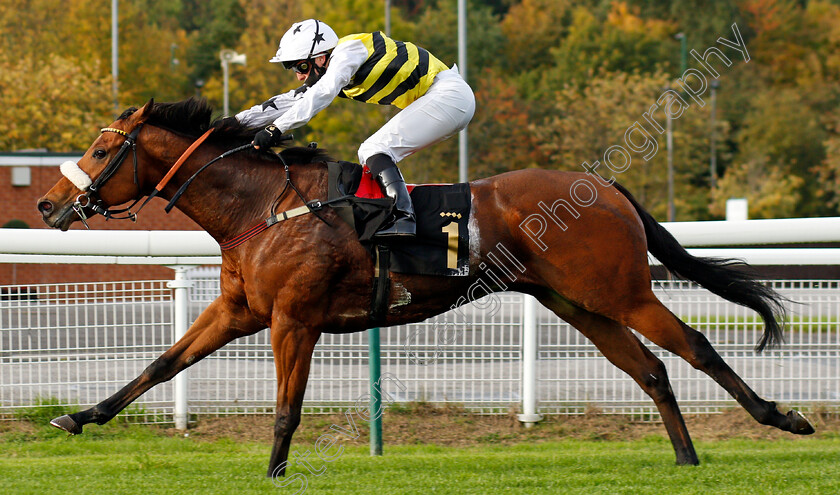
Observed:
{"x":268,"y":137}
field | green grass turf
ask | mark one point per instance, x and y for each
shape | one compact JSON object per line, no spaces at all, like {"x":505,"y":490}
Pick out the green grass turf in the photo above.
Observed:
{"x":136,"y":459}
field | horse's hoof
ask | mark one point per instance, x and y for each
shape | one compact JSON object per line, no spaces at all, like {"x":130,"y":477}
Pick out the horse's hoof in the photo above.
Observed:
{"x":799,"y":424}
{"x":688,"y":461}
{"x":67,"y":424}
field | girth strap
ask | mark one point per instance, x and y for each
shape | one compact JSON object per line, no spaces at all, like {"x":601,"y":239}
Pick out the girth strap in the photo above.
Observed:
{"x":381,"y":286}
{"x":310,"y":207}
{"x":262,"y":226}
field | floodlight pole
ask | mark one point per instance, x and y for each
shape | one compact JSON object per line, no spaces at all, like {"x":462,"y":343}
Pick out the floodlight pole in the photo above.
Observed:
{"x":387,"y":17}
{"x":229,"y":57}
{"x":715,"y":84}
{"x":115,"y":71}
{"x":462,"y":68}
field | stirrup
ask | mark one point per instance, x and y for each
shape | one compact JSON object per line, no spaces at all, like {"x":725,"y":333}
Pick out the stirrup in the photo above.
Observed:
{"x":402,"y":227}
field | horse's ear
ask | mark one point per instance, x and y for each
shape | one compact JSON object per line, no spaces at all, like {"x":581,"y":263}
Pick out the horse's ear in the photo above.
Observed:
{"x":146,"y":109}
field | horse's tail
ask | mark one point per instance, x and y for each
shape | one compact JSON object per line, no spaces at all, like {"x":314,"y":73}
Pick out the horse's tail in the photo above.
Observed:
{"x":719,"y":276}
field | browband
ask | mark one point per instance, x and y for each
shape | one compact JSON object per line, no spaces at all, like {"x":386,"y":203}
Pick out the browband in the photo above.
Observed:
{"x":112,"y":129}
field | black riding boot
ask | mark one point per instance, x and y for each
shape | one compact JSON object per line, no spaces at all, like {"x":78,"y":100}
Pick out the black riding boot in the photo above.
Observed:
{"x":393,"y":185}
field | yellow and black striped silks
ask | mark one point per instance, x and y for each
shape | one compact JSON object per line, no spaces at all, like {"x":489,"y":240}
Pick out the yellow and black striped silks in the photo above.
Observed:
{"x":395,"y":72}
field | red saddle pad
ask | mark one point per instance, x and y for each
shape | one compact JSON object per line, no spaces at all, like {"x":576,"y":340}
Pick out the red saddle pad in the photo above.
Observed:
{"x":368,"y":188}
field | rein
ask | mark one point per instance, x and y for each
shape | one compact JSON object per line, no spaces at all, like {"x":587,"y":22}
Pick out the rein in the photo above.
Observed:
{"x":186,"y":184}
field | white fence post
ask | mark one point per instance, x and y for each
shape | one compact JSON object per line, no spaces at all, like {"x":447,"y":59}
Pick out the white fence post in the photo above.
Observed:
{"x":529,"y":414}
{"x":179,"y":326}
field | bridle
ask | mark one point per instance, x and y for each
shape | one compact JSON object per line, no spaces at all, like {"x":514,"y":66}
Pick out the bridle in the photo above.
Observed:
{"x":91,"y":193}
{"x":91,"y":197}
{"x":92,"y":200}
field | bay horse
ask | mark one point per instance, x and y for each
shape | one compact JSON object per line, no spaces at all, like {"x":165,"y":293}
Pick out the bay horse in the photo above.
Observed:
{"x":310,"y":274}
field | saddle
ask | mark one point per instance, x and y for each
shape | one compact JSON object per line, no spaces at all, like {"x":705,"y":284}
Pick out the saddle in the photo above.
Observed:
{"x":441,"y":246}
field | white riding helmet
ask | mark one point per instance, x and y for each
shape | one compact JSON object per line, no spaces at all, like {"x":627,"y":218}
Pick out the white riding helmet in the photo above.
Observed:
{"x":304,"y":40}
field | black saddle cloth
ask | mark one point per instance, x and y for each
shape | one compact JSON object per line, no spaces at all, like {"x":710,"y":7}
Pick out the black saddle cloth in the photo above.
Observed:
{"x":441,"y":246}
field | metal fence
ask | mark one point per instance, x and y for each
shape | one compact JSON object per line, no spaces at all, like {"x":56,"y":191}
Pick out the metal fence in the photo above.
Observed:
{"x":79,"y":343}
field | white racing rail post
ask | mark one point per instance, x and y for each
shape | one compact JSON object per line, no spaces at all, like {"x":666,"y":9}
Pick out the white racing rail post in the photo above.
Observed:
{"x":179,"y":326}
{"x":529,"y":416}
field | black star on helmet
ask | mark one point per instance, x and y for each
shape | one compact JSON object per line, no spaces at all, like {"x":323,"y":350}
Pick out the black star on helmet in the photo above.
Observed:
{"x":297,"y":29}
{"x":318,"y":38}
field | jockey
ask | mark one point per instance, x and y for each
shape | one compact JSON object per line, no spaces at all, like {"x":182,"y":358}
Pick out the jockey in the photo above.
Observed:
{"x":372,"y":68}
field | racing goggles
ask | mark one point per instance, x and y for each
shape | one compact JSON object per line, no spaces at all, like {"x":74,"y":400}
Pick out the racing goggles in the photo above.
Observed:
{"x":300,"y":66}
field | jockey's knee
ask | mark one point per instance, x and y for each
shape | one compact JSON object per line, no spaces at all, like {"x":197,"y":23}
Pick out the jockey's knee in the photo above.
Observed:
{"x":370,"y":149}
{"x":379,"y":163}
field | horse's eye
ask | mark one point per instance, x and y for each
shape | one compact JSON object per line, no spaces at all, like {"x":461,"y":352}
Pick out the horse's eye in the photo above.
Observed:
{"x":99,"y":154}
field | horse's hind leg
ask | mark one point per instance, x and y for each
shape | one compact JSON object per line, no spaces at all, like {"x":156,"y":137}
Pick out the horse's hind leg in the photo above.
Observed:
{"x":656,"y":322}
{"x":624,"y":350}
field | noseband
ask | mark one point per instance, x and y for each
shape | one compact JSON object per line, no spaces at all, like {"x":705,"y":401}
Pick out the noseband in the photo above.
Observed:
{"x":90,"y":198}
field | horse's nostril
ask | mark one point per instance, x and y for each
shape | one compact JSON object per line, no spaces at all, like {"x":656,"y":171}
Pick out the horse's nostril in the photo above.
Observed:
{"x":45,"y":207}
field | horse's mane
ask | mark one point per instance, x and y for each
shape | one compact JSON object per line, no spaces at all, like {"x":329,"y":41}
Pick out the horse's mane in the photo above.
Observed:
{"x":192,"y":117}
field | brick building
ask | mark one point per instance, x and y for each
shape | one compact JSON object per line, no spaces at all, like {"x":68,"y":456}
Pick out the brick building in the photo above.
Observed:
{"x":25,"y":177}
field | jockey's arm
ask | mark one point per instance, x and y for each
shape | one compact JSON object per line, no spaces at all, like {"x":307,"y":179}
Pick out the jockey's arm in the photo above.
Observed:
{"x":265,"y":113}
{"x":297,"y":107}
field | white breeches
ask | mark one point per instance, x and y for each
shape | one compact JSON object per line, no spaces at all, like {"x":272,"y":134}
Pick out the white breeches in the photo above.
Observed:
{"x":446,"y":108}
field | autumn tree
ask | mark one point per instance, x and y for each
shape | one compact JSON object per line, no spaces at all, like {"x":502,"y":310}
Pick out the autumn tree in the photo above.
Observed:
{"x":770,"y":193}
{"x":557,"y":82}
{"x":55,"y":103}
{"x":532,"y":28}
{"x":437,"y":31}
{"x":585,"y":122}
{"x":620,"y":42}
{"x":781,"y":132}
{"x":702,"y":21}
{"x":782,"y":103}
{"x":56,"y":72}
{"x":828,"y":172}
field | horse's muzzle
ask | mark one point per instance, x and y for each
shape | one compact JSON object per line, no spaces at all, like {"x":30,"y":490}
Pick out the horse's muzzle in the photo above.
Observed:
{"x":57,"y":218}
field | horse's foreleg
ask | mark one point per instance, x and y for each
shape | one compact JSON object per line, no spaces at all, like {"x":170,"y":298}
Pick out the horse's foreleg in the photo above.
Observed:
{"x":292,"y":346}
{"x":667,"y":331}
{"x":216,"y":326}
{"x":625,"y":351}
